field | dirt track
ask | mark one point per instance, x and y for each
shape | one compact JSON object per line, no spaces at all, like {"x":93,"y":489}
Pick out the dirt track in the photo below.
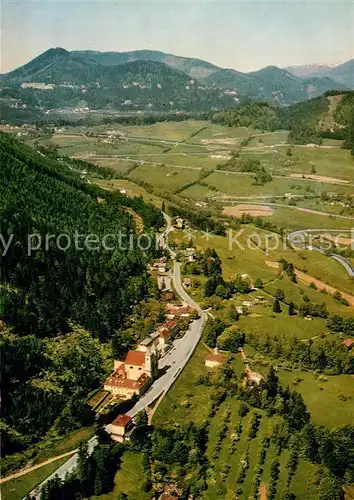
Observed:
{"x":306,"y":278}
{"x":22,"y":472}
{"x":263,"y":492}
{"x":323,"y":286}
{"x":319,"y":178}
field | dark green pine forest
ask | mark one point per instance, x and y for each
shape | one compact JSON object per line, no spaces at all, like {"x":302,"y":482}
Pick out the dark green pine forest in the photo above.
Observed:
{"x":45,"y":292}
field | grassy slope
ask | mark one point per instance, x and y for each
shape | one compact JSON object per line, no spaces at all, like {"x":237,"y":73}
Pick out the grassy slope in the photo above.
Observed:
{"x":16,"y":489}
{"x":324,"y":392}
{"x":129,"y":479}
{"x":173,"y":411}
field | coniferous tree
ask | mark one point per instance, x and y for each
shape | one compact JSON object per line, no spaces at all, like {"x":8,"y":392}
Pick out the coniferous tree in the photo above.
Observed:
{"x":276,"y":306}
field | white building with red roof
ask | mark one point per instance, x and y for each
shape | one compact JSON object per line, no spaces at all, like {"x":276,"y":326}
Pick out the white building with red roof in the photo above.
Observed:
{"x":349,"y":343}
{"x":121,"y":428}
{"x":133,"y":375}
{"x":215,"y":359}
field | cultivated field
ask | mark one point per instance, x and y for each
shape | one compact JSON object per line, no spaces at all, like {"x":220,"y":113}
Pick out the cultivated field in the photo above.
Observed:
{"x":253,"y":210}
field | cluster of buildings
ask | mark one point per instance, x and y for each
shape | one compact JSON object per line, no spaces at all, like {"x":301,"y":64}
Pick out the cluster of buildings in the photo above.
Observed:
{"x":133,"y":375}
{"x":52,"y":86}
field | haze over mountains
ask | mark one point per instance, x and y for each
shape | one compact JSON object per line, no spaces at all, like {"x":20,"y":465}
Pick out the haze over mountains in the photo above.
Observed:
{"x":342,"y":73}
{"x":147,"y":80}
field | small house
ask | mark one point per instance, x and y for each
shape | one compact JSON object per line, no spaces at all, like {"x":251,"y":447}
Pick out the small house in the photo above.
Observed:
{"x":349,"y":343}
{"x":214,"y":360}
{"x":121,"y":428}
{"x":179,"y":224}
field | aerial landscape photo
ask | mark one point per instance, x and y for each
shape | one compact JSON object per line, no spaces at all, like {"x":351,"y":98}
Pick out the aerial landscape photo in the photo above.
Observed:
{"x":177,"y":250}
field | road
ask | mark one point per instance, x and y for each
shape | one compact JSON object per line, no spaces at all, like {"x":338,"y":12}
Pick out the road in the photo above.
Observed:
{"x":173,"y":362}
{"x":25,"y":471}
{"x":293,"y":240}
{"x":292,"y":237}
{"x":64,"y":469}
{"x":176,"y":359}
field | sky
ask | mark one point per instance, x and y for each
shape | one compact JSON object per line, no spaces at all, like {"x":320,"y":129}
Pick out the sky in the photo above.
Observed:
{"x":242,"y":35}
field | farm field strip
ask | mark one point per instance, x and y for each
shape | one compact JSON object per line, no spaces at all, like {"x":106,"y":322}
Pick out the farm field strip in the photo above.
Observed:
{"x":301,"y":209}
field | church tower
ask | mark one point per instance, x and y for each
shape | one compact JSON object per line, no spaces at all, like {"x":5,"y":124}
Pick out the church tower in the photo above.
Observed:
{"x":151,"y":368}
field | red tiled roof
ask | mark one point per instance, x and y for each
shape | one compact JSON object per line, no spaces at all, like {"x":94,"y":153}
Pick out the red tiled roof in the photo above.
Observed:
{"x":122,"y":420}
{"x":119,"y":380}
{"x":164,"y":333}
{"x":216,"y":357}
{"x":176,"y":309}
{"x":348,"y":342}
{"x":136,"y":358}
{"x":170,"y":324}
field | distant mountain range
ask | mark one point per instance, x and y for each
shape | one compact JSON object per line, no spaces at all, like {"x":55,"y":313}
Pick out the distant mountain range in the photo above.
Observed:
{"x":342,"y":73}
{"x":147,"y":80}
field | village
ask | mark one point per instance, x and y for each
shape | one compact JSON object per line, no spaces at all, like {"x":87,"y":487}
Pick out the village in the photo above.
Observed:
{"x":134,"y":375}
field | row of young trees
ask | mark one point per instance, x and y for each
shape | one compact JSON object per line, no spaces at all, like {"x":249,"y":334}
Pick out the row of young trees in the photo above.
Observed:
{"x":326,"y":355}
{"x":330,"y":449}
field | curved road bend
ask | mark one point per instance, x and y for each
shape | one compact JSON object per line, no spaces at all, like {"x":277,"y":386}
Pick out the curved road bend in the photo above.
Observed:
{"x":174,"y":361}
{"x":292,"y":240}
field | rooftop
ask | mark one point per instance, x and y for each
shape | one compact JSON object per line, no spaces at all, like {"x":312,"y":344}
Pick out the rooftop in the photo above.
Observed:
{"x":216,"y":357}
{"x":348,"y":343}
{"x":135,"y":358}
{"x":122,"y":420}
{"x":118,"y":380}
{"x":149,"y":340}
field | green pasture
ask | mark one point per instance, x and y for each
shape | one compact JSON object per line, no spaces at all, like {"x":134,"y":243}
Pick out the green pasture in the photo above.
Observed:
{"x":318,"y":266}
{"x":334,"y":393}
{"x":164,"y":177}
{"x":234,"y":184}
{"x":335,"y":162}
{"x":292,"y":219}
{"x":197,"y":192}
{"x":294,"y":292}
{"x":16,"y":489}
{"x":129,"y":479}
{"x":276,"y":138}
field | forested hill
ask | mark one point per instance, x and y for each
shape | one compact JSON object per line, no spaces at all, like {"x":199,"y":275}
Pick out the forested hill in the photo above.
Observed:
{"x":327,"y":116}
{"x":63,"y":82}
{"x":42,"y":292}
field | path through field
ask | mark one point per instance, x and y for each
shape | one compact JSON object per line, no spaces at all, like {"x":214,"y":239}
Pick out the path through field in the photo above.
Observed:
{"x":263,"y":492}
{"x":22,"y":472}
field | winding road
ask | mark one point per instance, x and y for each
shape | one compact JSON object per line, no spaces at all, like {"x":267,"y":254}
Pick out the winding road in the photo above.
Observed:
{"x":173,"y":362}
{"x":295,"y":240}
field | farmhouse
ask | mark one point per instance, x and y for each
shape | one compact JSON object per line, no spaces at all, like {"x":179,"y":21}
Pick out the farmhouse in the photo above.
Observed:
{"x":176,"y":310}
{"x":190,"y":254}
{"x":179,"y":223}
{"x":121,"y":428}
{"x":349,"y":343}
{"x":214,"y":359}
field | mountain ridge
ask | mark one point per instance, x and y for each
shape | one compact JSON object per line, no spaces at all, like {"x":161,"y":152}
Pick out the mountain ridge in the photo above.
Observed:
{"x":343,"y":72}
{"x":148,"y":80}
